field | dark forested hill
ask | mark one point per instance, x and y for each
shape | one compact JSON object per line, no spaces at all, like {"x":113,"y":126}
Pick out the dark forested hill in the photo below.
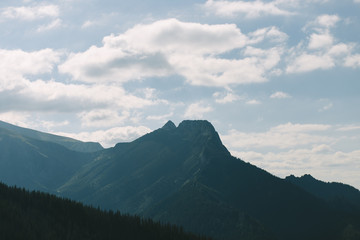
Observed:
{"x":69,"y":143}
{"x":35,"y":215}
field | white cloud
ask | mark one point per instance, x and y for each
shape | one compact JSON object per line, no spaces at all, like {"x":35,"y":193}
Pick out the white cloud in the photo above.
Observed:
{"x":327,"y":20}
{"x":280,"y":95}
{"x":52,"y":25}
{"x":168,"y":47}
{"x":323,"y":50}
{"x":309,"y":62}
{"x":349,"y":128}
{"x":160,"y":117}
{"x":253,"y":102}
{"x":352,"y":61}
{"x":320,"y":41}
{"x":282,"y":137}
{"x":42,"y":95}
{"x":197,"y":110}
{"x":225,"y":98}
{"x":88,"y":24}
{"x":109,"y":137}
{"x":30,"y":13}
{"x":271,"y":33}
{"x":19,"y":62}
{"x":102,"y":118}
{"x":251,"y":9}
{"x":16,"y":118}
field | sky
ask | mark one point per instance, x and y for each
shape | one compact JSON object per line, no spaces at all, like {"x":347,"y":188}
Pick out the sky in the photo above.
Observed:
{"x":278,"y":79}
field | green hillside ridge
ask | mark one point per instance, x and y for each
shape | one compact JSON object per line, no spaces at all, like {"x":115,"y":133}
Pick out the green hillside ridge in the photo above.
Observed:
{"x":69,"y":143}
{"x":35,"y":215}
{"x":36,"y":164}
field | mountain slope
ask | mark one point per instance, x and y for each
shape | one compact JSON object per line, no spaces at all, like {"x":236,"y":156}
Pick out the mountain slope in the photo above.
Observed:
{"x":69,"y":143}
{"x":36,"y":164}
{"x":25,"y":215}
{"x":185,"y":175}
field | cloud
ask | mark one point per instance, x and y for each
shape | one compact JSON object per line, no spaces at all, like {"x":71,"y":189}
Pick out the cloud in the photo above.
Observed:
{"x":281,"y":137}
{"x":51,"y":96}
{"x":280,"y":95}
{"x":320,"y":41}
{"x":30,"y":13}
{"x":250,"y":9}
{"x":52,"y":25}
{"x":223,"y":98}
{"x":19,"y":62}
{"x":160,"y":117}
{"x":16,"y":118}
{"x":271,"y":33}
{"x":171,"y":47}
{"x":253,"y":102}
{"x":349,"y":128}
{"x":322,"y":51}
{"x":197,"y":110}
{"x":353,"y":61}
{"x":102,"y":118}
{"x":109,"y":137}
{"x":88,"y":24}
{"x":22,"y":94}
{"x":309,"y":62}
{"x":327,"y":21}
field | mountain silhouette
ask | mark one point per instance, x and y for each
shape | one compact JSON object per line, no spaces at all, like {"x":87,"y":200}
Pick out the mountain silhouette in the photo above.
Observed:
{"x":185,"y":175}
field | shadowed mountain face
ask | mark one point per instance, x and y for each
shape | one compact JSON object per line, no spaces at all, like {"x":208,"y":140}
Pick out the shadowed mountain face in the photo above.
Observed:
{"x":186,"y":176}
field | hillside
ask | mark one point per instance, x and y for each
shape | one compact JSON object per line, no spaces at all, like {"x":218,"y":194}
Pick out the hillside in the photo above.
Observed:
{"x":35,"y":215}
{"x":69,"y":143}
{"x":36,"y":164}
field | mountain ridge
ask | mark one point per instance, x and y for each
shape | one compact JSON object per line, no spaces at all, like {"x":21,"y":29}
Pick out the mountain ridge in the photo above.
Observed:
{"x":186,"y":176}
{"x":67,"y":142}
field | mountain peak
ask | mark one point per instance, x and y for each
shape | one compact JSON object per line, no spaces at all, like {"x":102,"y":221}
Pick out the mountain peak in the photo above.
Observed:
{"x":204,"y":126}
{"x":169,"y":126}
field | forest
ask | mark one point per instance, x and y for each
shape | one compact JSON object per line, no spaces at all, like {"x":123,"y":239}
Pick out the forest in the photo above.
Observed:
{"x":37,"y":215}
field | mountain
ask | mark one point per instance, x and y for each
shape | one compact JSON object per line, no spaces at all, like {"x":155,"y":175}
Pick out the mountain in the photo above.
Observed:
{"x":35,"y":215}
{"x":185,"y":175}
{"x":36,"y":164}
{"x":69,"y":143}
{"x":338,"y":195}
